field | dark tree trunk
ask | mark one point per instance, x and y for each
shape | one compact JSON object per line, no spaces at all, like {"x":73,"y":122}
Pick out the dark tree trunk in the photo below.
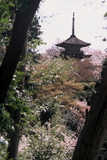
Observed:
{"x":22,"y":21}
{"x":95,"y":129}
{"x":14,"y":136}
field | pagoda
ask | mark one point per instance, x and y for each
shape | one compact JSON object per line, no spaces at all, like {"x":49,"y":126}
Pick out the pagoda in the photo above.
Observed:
{"x":73,"y":45}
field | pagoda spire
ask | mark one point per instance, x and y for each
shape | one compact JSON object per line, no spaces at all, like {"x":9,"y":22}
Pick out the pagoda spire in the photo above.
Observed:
{"x":72,"y":44}
{"x":73,"y":20}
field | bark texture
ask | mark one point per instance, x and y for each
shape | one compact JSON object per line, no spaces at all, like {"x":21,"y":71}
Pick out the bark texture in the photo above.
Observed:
{"x":95,"y":129}
{"x":15,"y":135}
{"x":22,"y":21}
{"x":15,"y":114}
{"x":13,"y":55}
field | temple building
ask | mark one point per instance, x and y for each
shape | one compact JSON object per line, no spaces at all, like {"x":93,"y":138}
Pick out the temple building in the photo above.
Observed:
{"x":73,"y":45}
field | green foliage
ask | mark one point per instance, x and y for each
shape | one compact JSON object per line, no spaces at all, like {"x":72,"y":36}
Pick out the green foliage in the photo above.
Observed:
{"x":6,"y":21}
{"x":52,"y":72}
{"x":87,"y":92}
{"x":3,"y":153}
{"x":42,"y":111}
{"x":47,"y":109}
{"x":71,"y":79}
{"x":73,"y":122}
{"x":105,"y":15}
{"x":5,"y":121}
{"x":15,"y":97}
{"x":46,"y":137}
{"x":90,"y":91}
{"x":45,"y":141}
{"x":33,"y":35}
{"x":6,"y":9}
{"x":46,"y":144}
{"x":34,"y":30}
{"x":17,"y":100}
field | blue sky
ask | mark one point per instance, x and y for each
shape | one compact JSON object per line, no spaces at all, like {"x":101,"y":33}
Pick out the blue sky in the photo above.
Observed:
{"x":89,"y":21}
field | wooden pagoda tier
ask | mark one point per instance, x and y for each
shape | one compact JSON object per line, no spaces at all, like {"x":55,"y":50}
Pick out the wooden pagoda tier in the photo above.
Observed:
{"x":72,"y":45}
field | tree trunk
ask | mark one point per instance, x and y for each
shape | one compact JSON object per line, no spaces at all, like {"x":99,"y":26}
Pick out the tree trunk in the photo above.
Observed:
{"x":22,"y":21}
{"x":19,"y":32}
{"x":95,"y":129}
{"x":14,"y":137}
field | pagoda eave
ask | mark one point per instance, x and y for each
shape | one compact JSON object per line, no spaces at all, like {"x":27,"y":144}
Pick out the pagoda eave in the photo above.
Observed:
{"x":72,"y":45}
{"x":66,"y":45}
{"x":73,"y":41}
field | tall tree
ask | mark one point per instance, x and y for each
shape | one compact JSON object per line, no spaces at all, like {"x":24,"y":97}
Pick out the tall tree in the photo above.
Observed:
{"x":23,"y":18}
{"x":25,"y":11}
{"x":95,"y":129}
{"x":15,"y":114}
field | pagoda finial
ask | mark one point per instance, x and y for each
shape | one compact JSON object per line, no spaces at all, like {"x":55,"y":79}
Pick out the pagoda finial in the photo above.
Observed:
{"x":73,"y":25}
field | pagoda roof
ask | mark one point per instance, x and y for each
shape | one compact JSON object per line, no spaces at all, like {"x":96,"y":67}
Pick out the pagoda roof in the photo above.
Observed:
{"x":73,"y":41}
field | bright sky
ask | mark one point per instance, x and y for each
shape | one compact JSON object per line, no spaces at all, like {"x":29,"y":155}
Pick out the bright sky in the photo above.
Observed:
{"x":89,"y":21}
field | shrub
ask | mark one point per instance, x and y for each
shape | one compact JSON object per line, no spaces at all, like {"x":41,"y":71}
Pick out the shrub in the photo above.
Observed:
{"x":45,"y":144}
{"x":73,"y":121}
